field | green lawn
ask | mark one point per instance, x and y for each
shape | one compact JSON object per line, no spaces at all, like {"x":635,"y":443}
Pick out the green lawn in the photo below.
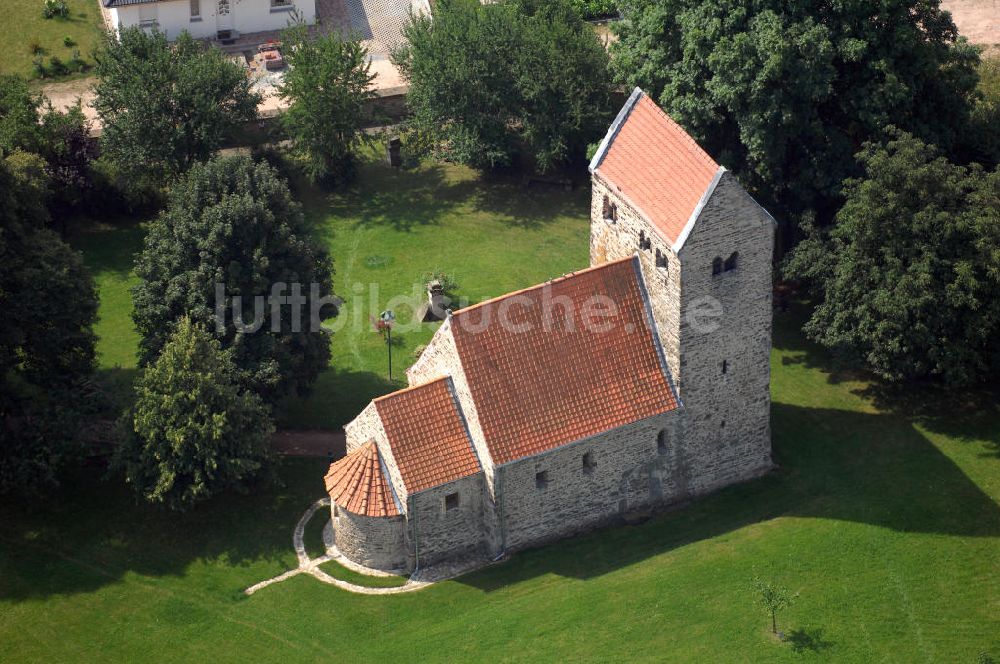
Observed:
{"x":385,"y":234}
{"x":83,"y":26}
{"x":884,"y":514}
{"x":338,"y":571}
{"x":887,"y":524}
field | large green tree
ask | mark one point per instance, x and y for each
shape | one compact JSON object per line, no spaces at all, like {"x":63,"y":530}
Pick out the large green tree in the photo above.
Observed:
{"x":195,"y":430}
{"x":164,"y":106}
{"x":785,"y":93}
{"x":49,"y":306}
{"x":19,"y":128}
{"x":907,"y":279}
{"x":487,"y":80}
{"x":30,"y":124}
{"x":231,"y":225}
{"x":327,"y":85}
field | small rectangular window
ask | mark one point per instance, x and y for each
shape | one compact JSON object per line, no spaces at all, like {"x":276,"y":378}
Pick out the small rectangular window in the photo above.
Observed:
{"x":450,"y":501}
{"x":588,"y":462}
{"x":541,"y":479}
{"x":195,"y":8}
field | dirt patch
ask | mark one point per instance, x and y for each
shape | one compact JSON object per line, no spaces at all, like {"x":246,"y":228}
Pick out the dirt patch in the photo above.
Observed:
{"x":310,"y":443}
{"x":978,"y":20}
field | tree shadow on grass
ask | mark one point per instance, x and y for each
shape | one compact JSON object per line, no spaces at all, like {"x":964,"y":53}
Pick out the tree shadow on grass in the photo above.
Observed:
{"x":969,"y":414}
{"x":381,"y":196}
{"x":834,"y":464}
{"x":92,"y":532}
{"x":530,"y":207}
{"x":804,"y":640}
{"x":408,"y":199}
{"x":337,"y":397}
{"x":109,"y":248}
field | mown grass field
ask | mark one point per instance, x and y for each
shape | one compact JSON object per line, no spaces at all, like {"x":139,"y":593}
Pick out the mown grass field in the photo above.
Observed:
{"x":886,"y":523}
{"x":884,"y":513}
{"x":26,"y":26}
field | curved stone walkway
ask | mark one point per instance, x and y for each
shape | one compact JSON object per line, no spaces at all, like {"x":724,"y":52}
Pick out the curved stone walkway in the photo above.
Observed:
{"x":311,"y":566}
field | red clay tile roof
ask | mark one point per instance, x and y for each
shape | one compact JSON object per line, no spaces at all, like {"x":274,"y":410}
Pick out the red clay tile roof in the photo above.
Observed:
{"x":656,"y":165}
{"x":427,"y":434}
{"x":357,"y":484}
{"x":537,"y":389}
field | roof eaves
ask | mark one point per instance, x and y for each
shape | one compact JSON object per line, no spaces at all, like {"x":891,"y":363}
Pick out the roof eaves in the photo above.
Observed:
{"x":705,"y":196}
{"x":616,"y":126}
{"x":388,"y":480}
{"x":657,"y":342}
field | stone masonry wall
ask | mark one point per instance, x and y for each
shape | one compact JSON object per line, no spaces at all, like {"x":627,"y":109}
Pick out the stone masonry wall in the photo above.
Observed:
{"x":440,"y":533}
{"x":725,"y":361}
{"x":626,"y":472}
{"x":726,"y":430}
{"x":377,"y":542}
{"x":611,"y":241}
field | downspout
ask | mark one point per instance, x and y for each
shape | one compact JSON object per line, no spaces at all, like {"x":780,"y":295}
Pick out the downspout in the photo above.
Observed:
{"x":497,"y":484}
{"x":416,"y":539}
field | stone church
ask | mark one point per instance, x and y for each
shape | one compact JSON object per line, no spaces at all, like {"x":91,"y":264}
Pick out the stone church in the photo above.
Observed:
{"x":638,"y":382}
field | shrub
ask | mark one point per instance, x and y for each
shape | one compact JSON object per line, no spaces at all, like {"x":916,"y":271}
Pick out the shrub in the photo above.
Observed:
{"x":55,"y":9}
{"x":34,"y":46}
{"x":57,"y":67}
{"x":68,"y":42}
{"x":591,"y":9}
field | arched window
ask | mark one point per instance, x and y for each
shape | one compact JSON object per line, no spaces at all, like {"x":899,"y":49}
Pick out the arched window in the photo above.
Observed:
{"x":661,"y":441}
{"x":717,"y":266}
{"x":644,"y":242}
{"x":610,"y":211}
{"x":732,"y":261}
{"x":661,"y":259}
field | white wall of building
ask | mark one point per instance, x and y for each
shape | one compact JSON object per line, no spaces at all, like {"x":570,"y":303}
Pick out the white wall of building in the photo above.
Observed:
{"x":174,"y":16}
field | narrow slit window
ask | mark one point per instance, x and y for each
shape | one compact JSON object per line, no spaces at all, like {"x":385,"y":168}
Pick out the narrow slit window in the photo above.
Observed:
{"x":661,"y":260}
{"x":541,"y":479}
{"x":661,"y":442}
{"x":588,"y":462}
{"x":717,"y":266}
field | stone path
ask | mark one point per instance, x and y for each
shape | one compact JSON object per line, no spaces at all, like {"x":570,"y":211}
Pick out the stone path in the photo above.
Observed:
{"x":311,"y":566}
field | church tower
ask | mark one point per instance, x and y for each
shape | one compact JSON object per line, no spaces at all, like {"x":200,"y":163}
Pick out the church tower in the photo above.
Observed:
{"x":706,"y":250}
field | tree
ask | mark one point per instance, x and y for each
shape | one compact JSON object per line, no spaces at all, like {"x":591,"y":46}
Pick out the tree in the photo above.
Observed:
{"x":487,"y":79}
{"x":231,"y":224}
{"x":772,"y":598}
{"x":784,"y":93}
{"x":19,"y":128}
{"x":164,"y":106}
{"x":195,"y":430}
{"x":49,"y":305}
{"x":69,"y":152}
{"x":907,"y":277}
{"x":327,"y":86}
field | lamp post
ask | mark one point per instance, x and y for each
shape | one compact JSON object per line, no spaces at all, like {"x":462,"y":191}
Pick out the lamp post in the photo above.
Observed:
{"x":386,"y":319}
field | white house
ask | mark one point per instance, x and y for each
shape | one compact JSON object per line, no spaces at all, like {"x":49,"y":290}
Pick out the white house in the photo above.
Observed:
{"x":207,"y":18}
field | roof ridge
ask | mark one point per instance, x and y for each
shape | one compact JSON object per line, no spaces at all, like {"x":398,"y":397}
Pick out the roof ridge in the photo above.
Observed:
{"x":554,"y":280}
{"x":410,"y":388}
